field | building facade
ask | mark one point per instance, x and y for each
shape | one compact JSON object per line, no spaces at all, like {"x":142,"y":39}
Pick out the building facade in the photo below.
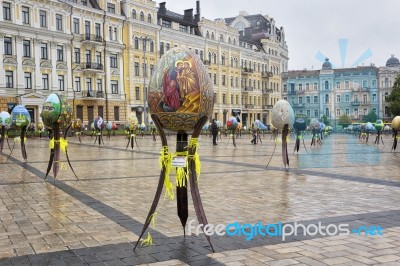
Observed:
{"x":333,"y":92}
{"x":102,"y":53}
{"x":69,"y":47}
{"x":386,"y":77}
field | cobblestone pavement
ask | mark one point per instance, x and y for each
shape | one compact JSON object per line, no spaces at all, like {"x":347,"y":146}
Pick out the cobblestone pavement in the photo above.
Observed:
{"x":96,"y":220}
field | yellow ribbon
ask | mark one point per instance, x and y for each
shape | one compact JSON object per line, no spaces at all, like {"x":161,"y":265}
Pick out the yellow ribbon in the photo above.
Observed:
{"x":148,"y":241}
{"x":194,"y":144}
{"x":165,"y":162}
{"x":63,"y":144}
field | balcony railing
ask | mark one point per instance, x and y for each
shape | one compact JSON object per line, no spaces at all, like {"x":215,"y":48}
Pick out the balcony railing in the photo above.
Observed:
{"x":92,"y":38}
{"x":267,"y":91}
{"x":267,"y":106}
{"x":248,"y":89}
{"x":249,"y":106}
{"x":92,"y":66}
{"x":267,"y":74}
{"x":291,"y":92}
{"x":247,"y":70}
{"x":355,"y":103}
{"x":299,"y":92}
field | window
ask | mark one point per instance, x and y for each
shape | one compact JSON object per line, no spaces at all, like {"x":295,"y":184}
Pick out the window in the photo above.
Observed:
{"x":151,"y":46}
{"x":385,"y":96}
{"x":337,"y":85}
{"x":144,"y":44}
{"x":166,"y":24}
{"x":45,"y":81}
{"x":27,"y":48}
{"x":300,"y":87}
{"x":77,"y":55}
{"x":98,"y":58}
{"x":113,"y":61}
{"x":183,"y":28}
{"x":347,"y":98}
{"x":133,"y":13}
{"x":141,"y":16}
{"x":87,"y":30}
{"x":114,"y":86}
{"x":300,"y":100}
{"x":315,"y":86}
{"x":374,"y":97}
{"x":60,"y":53}
{"x":215,"y":58}
{"x":308,"y":113}
{"x":365,"y":111}
{"x":137,"y":93}
{"x":327,"y":112}
{"x":224,"y":98}
{"x":365,"y":83}
{"x":338,"y":98}
{"x":116,"y":113}
{"x":76,"y":25}
{"x":6,"y":11}
{"x":149,"y":18}
{"x":7,"y":46}
{"x":231,"y":81}
{"x":307,"y":86}
{"x":308,"y":99}
{"x":28,"y":80}
{"x":315,"y":99}
{"x":43,"y":51}
{"x":43,"y":18}
{"x":88,"y":56}
{"x":151,"y":70}
{"x":215,"y":79}
{"x":61,"y":82}
{"x":237,"y":99}
{"x":25,"y":15}
{"x":115,"y":34}
{"x":386,"y":111}
{"x":326,"y":98}
{"x":223,"y":60}
{"x":9,"y":79}
{"x":136,"y":69}
{"x":59,"y":22}
{"x":111,"y":8}
{"x":347,"y":112}
{"x":99,"y":85}
{"x":100,"y":111}
{"x":223,"y":79}
{"x":374,"y":110}
{"x":337,"y":112}
{"x":326,"y":85}
{"x":97,"y":29}
{"x":365,"y":98}
{"x":89,"y":84}
{"x":77,"y":84}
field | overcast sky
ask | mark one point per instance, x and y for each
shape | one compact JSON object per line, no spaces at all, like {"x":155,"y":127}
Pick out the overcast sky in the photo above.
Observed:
{"x":371,"y":27}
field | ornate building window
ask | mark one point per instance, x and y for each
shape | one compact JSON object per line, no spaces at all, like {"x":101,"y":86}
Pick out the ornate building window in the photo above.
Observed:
{"x":133,"y":13}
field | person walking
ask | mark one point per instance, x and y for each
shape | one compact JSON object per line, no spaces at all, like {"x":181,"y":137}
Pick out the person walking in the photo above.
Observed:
{"x":214,"y":131}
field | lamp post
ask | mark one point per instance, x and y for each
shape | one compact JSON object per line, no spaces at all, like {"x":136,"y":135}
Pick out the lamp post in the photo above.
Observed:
{"x":144,"y":43}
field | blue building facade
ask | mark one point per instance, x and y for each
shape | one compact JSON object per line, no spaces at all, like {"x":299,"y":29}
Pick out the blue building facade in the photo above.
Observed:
{"x":333,"y":92}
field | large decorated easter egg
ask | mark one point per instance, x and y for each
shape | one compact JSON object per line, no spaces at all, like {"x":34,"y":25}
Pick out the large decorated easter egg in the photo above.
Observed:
{"x":180,"y":90}
{"x":20,"y":117}
{"x":300,"y":123}
{"x":314,"y":124}
{"x":396,"y":123}
{"x":98,"y":123}
{"x":379,"y":125}
{"x":368,"y":126}
{"x":77,"y":124}
{"x":5,"y":119}
{"x":133,"y":121}
{"x":56,"y":109}
{"x":40,"y":126}
{"x":232,"y":123}
{"x":282,"y":114}
{"x":260,"y":125}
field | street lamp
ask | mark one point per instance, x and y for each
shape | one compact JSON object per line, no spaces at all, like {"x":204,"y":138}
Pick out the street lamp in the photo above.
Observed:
{"x":144,"y":43}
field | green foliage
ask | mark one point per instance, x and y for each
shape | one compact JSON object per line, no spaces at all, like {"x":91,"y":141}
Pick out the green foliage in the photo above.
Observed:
{"x":371,"y":117}
{"x":344,"y":120}
{"x":325,"y":120}
{"x":394,"y":98}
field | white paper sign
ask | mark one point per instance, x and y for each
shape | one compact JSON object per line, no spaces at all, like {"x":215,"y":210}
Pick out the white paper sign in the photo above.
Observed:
{"x":179,"y":161}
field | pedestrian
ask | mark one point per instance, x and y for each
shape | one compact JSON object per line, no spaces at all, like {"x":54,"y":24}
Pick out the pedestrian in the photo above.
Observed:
{"x":254,"y":140}
{"x":214,"y":131}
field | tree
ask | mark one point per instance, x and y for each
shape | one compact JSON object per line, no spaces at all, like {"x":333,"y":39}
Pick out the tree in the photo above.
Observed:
{"x":394,"y":98}
{"x":371,"y":117}
{"x":325,"y":120}
{"x":344,"y":120}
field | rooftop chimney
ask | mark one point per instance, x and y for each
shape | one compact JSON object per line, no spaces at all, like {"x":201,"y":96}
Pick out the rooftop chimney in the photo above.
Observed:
{"x":162,"y":8}
{"x":198,"y":8}
{"x":188,"y":15}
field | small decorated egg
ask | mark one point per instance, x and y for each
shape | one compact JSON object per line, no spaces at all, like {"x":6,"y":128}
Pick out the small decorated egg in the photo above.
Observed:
{"x":109,"y":125}
{"x":314,"y":124}
{"x":282,"y":114}
{"x":300,"y":123}
{"x":368,"y":126}
{"x":396,"y":123}
{"x":379,"y":125}
{"x":232,"y":123}
{"x":20,"y":117}
{"x":98,"y":123}
{"x":5,"y":119}
{"x":180,"y":90}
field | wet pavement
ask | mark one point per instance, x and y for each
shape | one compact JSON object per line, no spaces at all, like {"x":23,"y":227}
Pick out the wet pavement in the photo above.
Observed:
{"x":96,"y":220}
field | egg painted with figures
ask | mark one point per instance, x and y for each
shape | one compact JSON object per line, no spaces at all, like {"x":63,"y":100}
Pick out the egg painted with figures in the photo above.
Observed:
{"x":98,"y":123}
{"x":282,"y":114}
{"x":20,"y":117}
{"x":300,"y":123}
{"x":180,"y":90}
{"x":5,"y":119}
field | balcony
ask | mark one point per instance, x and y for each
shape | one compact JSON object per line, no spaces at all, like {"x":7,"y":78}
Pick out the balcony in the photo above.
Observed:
{"x":298,"y":105}
{"x":355,"y":103}
{"x":92,"y":67}
{"x":267,"y":74}
{"x":246,"y":70}
{"x":249,"y":106}
{"x":248,"y":89}
{"x":91,"y":38}
{"x":267,"y":91}
{"x":365,"y":103}
{"x":291,"y":93}
{"x":267,"y":106}
{"x":92,"y":94}
{"x":299,"y":92}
